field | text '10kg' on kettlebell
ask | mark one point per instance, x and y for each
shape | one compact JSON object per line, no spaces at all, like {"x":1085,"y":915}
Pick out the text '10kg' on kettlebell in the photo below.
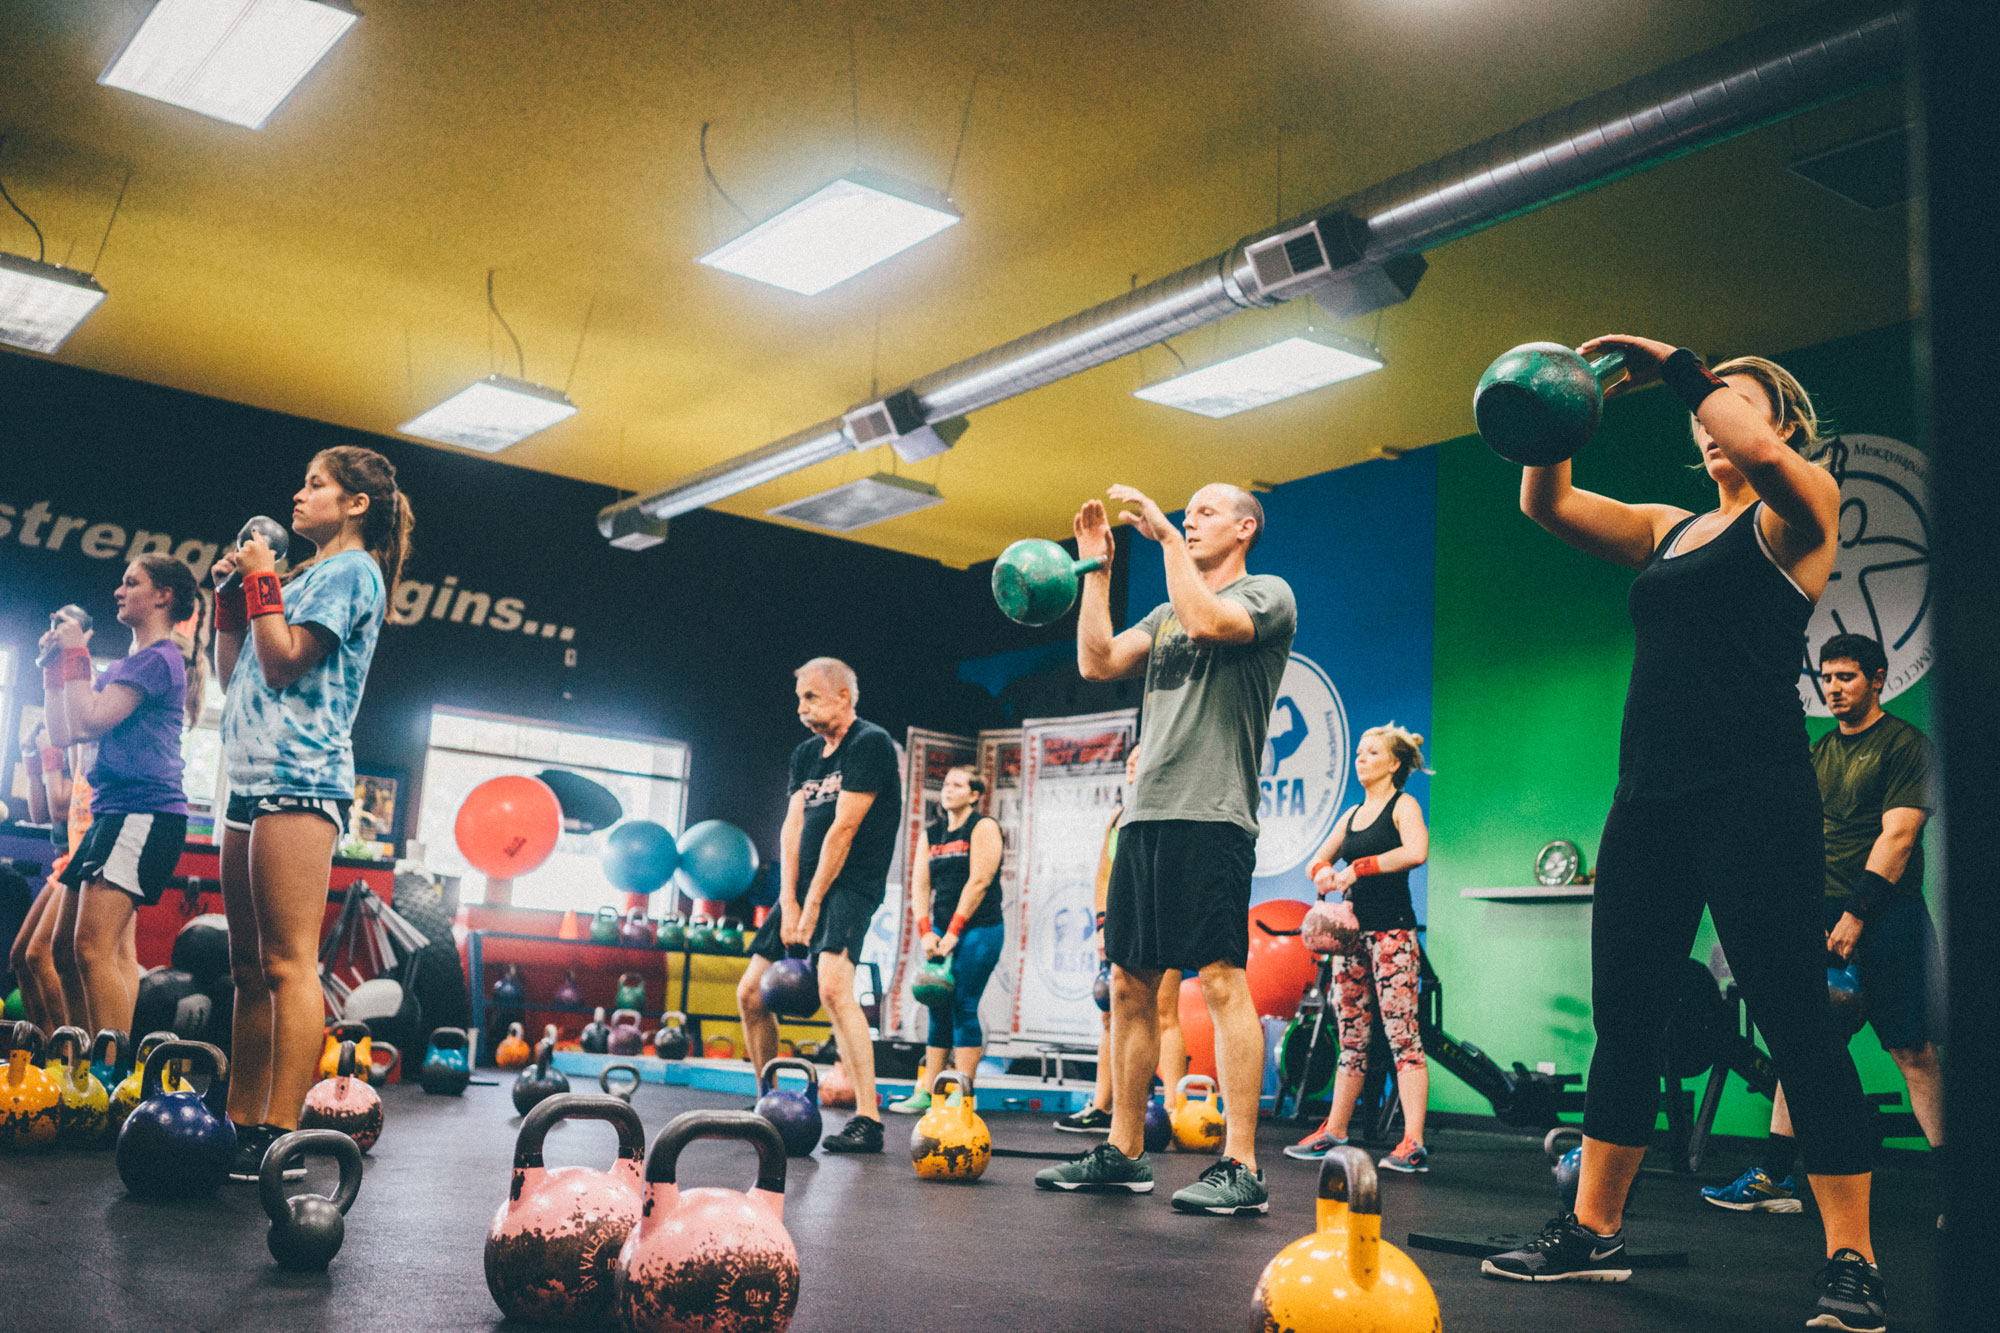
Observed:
{"x":307,"y":1229}
{"x":552,"y":1249}
{"x":950,"y":1142}
{"x":1344,"y":1276}
{"x":668,"y":1270}
{"x":795,"y":1115}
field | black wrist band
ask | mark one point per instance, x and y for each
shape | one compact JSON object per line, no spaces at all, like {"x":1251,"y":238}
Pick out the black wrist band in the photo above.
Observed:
{"x":1869,"y":894}
{"x":1684,"y":373}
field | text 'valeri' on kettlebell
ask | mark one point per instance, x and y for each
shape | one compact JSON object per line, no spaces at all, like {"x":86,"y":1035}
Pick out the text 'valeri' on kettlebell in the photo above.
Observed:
{"x":172,"y":1146}
{"x":1344,"y":1276}
{"x":344,"y":1103}
{"x":307,"y":1229}
{"x":1198,"y":1126}
{"x":1539,"y":403}
{"x":552,"y":1250}
{"x":951,"y":1142}
{"x":707,"y":1258}
{"x":795,"y":1115}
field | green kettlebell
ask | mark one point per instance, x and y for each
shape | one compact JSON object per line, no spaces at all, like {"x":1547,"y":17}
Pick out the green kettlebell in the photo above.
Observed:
{"x":1539,"y":403}
{"x":672,"y":933}
{"x":934,"y":985}
{"x":604,"y":926}
{"x":1035,"y":581}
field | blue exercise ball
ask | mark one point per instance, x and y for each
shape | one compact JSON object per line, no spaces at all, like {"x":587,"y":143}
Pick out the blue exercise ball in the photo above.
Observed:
{"x":764,"y":888}
{"x":640,"y":856}
{"x":718,"y":861}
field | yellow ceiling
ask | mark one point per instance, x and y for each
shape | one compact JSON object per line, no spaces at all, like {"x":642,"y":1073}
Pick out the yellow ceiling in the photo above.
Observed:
{"x":332,"y":265}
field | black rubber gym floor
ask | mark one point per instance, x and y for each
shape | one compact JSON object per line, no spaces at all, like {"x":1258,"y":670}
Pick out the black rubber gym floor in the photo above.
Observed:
{"x":881,"y":1250}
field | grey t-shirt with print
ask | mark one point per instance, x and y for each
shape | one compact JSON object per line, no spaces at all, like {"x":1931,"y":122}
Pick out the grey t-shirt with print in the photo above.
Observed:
{"x":1208,"y":707}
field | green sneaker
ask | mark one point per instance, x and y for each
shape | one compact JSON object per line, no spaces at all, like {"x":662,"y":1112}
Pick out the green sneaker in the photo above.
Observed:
{"x":916,"y":1103}
{"x":1102,"y":1168}
{"x":1227,"y":1189}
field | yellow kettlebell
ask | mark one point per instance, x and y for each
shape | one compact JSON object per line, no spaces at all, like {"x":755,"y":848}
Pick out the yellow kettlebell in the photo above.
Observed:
{"x":1344,"y":1276}
{"x":951,"y":1142}
{"x":84,"y":1105}
{"x":30,"y":1103}
{"x":1197,"y":1125}
{"x":347,"y":1029}
{"x":126,"y":1095}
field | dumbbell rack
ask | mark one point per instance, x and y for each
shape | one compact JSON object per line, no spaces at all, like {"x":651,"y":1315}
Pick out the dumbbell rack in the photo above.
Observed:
{"x":475,"y":957}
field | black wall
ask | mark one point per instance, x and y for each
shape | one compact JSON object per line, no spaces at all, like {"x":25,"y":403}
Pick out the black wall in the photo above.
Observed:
{"x":694,"y":640}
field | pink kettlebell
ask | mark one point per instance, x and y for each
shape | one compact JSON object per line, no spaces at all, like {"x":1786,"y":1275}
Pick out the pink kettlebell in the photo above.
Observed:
{"x":710,"y":1260}
{"x":552,"y":1251}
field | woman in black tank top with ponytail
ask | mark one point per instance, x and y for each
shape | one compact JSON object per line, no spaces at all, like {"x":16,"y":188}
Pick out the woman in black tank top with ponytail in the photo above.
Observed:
{"x":1716,"y":805}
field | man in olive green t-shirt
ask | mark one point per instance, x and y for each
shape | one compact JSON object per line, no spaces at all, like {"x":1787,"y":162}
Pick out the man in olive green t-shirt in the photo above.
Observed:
{"x":1874,"y":785}
{"x":1213,"y":655}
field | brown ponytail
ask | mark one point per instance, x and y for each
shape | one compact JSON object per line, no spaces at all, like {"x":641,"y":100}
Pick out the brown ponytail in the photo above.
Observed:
{"x":385,"y":527}
{"x":171,"y":576}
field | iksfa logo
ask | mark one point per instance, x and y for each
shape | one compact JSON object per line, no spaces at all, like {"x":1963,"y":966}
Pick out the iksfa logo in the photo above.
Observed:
{"x":1304,"y":770}
{"x":1881,"y":583}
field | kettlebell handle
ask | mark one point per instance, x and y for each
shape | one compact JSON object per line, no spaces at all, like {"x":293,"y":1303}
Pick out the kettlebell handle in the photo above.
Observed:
{"x":1348,"y":1190}
{"x":349,"y":1029}
{"x":545,"y":1052}
{"x":945,"y":1076}
{"x":194,"y":1052}
{"x":116,"y":1040}
{"x":451,"y":1039}
{"x":545,"y":1114}
{"x":1604,"y":367}
{"x":624,"y":1094}
{"x":74,"y":1038}
{"x":1552,"y":1140}
{"x":633,"y":1014}
{"x":1190,"y":1080}
{"x":344,"y":1066}
{"x":751,"y":1128}
{"x":768,"y":1080}
{"x":287,"y":1148}
{"x":24,"y":1036}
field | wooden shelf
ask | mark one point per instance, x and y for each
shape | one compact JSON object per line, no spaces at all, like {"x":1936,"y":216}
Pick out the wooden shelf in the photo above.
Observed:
{"x":1534,"y":893}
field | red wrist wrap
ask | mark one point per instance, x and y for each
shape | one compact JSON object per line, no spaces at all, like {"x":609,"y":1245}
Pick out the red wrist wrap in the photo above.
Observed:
{"x":262,"y":596}
{"x":52,"y":760}
{"x":76,"y":664}
{"x":230,"y":618}
{"x":958,"y":920}
{"x":1368,"y":865}
{"x":923,"y":925}
{"x":1312,"y":871}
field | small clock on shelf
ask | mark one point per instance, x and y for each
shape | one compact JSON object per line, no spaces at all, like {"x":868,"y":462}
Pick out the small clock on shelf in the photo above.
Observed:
{"x":1560,"y":862}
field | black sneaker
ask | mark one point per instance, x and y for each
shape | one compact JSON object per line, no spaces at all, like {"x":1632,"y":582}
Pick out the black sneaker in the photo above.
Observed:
{"x":248,"y":1163}
{"x":1102,"y":1168}
{"x":1227,"y":1189}
{"x":1089,"y":1120}
{"x":1850,"y":1295}
{"x":861,"y":1134}
{"x":1566,"y":1251}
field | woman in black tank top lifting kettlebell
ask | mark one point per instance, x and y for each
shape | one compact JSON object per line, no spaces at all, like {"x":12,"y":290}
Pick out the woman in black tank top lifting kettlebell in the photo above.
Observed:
{"x":1716,"y":803}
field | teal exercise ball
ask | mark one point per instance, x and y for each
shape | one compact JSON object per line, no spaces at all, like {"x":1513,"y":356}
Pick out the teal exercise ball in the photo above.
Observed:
{"x":718,"y":861}
{"x":640,"y":856}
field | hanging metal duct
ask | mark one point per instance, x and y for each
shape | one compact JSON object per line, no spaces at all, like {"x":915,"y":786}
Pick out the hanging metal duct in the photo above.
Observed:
{"x":1363,"y":252}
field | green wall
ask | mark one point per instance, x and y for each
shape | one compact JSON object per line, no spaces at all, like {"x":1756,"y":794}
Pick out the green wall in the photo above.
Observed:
{"x":1532,"y":652}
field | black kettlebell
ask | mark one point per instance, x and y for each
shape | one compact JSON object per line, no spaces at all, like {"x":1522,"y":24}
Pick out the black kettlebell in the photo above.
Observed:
{"x":671,"y":1042}
{"x":307,"y":1229}
{"x":538,"y":1081}
{"x":595,"y":1039}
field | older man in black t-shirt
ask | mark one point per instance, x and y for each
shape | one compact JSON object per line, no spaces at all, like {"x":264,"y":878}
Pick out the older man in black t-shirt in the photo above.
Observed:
{"x":838,"y":839}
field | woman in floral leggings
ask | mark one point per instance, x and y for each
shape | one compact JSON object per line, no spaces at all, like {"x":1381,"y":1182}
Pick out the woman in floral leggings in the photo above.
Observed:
{"x":1382,"y":840}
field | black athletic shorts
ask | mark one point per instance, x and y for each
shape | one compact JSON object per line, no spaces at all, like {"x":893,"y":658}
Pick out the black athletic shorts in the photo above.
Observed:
{"x":1179,"y":895}
{"x":1898,"y":966}
{"x":135,"y":854}
{"x":843,"y":924}
{"x":245,"y":809}
{"x":768,"y":943}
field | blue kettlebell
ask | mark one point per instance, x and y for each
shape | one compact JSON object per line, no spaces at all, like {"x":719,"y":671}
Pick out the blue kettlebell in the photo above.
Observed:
{"x":173,"y":1146}
{"x":111,"y":1071}
{"x":794,"y":1114}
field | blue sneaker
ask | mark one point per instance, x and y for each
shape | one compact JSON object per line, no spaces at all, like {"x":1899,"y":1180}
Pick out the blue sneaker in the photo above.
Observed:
{"x":1408,"y":1158}
{"x":1755,"y":1192}
{"x":1313,"y":1146}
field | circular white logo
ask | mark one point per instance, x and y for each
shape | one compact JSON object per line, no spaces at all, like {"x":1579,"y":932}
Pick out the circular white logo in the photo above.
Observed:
{"x":1304,"y":768}
{"x":1881,"y":583}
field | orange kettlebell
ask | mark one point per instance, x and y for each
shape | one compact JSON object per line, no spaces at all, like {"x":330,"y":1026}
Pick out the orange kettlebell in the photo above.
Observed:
{"x":1344,"y":1276}
{"x":512,"y":1052}
{"x":30,"y":1101}
{"x":951,"y":1142}
{"x":347,"y":1029}
{"x":1197,"y":1125}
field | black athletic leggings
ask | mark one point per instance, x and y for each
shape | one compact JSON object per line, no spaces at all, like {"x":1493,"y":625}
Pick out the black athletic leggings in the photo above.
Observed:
{"x":1752,"y":852}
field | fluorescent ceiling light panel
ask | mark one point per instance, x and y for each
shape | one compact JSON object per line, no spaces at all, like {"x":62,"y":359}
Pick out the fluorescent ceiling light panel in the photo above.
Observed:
{"x":834,"y":233}
{"x":859,"y":503}
{"x":235,"y":60}
{"x":41,"y":304}
{"x":1296,"y":365}
{"x":491,"y":415}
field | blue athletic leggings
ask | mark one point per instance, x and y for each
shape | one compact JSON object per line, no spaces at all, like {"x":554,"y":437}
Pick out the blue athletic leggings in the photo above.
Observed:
{"x":972,"y":964}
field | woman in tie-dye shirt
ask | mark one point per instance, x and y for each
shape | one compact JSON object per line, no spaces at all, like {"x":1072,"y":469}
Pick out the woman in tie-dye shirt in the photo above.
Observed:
{"x":296,"y":658}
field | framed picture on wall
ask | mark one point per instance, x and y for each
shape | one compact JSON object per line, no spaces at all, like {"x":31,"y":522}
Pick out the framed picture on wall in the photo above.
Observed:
{"x":371,"y":825}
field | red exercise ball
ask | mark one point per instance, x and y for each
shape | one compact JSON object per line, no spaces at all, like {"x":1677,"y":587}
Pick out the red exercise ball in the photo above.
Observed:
{"x":508,"y":826}
{"x":1197,"y":1030}
{"x":1280,"y":967}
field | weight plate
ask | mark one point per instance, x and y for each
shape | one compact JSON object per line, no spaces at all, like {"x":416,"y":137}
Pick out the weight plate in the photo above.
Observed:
{"x":1558,"y":863}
